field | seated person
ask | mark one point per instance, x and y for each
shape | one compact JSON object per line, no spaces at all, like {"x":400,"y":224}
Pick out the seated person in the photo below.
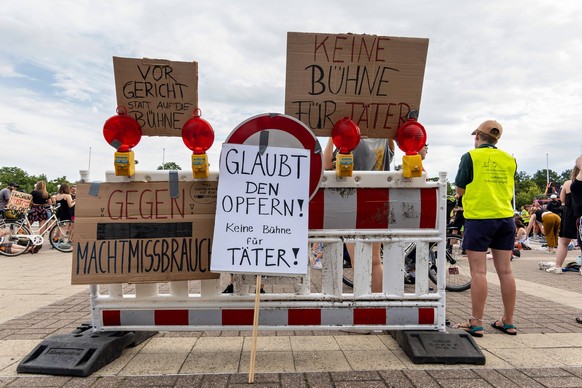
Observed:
{"x":521,"y":237}
{"x":9,"y":247}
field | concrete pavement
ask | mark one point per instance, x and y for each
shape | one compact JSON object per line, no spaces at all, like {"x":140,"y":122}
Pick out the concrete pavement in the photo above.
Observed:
{"x":37,"y":301}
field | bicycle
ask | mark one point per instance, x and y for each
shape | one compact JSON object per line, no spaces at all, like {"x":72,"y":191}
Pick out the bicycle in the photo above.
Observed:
{"x":458,"y":275}
{"x":22,"y":232}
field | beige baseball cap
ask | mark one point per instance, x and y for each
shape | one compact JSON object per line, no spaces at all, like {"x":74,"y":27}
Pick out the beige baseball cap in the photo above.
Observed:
{"x":491,"y":128}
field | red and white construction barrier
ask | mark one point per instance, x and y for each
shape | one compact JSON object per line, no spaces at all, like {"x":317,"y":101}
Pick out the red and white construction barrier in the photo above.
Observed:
{"x":366,"y":208}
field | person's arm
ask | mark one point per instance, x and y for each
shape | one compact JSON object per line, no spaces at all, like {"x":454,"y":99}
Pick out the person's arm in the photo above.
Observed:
{"x":532,"y":219}
{"x":565,"y":187}
{"x":6,"y":195}
{"x":70,"y":201}
{"x":547,"y":188}
{"x":328,"y":155}
{"x":464,"y":173}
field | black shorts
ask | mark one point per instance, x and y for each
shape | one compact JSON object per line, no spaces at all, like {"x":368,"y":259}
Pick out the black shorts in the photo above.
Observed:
{"x":481,"y":235}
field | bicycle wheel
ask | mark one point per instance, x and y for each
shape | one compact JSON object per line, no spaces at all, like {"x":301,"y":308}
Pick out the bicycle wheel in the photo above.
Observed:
{"x":348,"y":273}
{"x":458,"y":275}
{"x":59,"y":236}
{"x":15,"y":243}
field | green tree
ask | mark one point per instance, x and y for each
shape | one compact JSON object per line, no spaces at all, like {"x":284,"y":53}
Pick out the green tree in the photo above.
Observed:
{"x":521,"y":176}
{"x":169,"y":166}
{"x":18,"y":176}
{"x":540,"y":179}
{"x":27,"y":182}
{"x":565,"y":175}
{"x":53,"y":185}
{"x":525,"y":192}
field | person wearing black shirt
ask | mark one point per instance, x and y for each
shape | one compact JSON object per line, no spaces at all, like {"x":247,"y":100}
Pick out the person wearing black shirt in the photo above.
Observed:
{"x":576,"y":191}
{"x":555,"y":205}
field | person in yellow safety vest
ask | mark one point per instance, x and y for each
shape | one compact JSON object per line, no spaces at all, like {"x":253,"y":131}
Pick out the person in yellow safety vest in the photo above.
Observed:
{"x":524,"y":215}
{"x":486,"y":180}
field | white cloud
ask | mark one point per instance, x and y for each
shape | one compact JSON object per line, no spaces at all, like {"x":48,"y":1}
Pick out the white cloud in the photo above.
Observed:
{"x":514,"y":61}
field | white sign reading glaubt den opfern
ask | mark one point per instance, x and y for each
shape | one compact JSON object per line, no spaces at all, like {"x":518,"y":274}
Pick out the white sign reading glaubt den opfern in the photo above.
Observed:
{"x":261,"y":211}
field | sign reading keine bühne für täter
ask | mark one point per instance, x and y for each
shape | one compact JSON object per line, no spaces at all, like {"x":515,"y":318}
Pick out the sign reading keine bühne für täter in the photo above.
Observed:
{"x":261,"y":210}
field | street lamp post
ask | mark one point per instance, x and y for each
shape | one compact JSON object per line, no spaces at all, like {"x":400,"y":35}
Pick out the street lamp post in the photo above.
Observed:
{"x":547,"y":171}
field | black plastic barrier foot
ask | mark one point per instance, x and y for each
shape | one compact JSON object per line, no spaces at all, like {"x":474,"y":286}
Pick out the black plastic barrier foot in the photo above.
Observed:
{"x":80,"y":353}
{"x":429,"y":347}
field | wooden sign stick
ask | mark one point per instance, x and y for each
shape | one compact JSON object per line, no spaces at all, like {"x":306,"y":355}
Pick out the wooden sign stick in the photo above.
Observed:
{"x":255,"y":331}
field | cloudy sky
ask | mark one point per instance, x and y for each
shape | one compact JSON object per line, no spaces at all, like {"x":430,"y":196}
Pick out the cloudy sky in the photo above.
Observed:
{"x":515,"y":61}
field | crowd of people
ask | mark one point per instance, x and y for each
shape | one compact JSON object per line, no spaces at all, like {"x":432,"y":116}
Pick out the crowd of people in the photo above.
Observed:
{"x":41,"y":205}
{"x":556,"y":224}
{"x":553,"y":224}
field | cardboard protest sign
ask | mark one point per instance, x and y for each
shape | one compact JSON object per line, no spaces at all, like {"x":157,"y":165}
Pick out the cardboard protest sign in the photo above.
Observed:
{"x":374,"y":80}
{"x":160,"y":94}
{"x":136,"y":232}
{"x":19,"y":202}
{"x":262,"y":210}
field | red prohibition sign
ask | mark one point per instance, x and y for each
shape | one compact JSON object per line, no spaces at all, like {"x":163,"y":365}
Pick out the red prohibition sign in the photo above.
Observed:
{"x":284,"y":131}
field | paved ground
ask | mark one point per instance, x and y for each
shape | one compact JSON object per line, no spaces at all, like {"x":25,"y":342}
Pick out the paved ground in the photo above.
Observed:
{"x":37,"y":301}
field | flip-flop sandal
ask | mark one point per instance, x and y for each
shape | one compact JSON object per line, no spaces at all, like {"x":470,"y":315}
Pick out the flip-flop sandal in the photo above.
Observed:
{"x":505,"y":328}
{"x":472,"y":330}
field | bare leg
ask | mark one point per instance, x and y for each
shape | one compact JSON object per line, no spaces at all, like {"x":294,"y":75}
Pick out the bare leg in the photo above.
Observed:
{"x":41,"y":226}
{"x":478,"y":266}
{"x":350,"y":248}
{"x":377,"y":268}
{"x":502,"y":262}
{"x":562,"y":251}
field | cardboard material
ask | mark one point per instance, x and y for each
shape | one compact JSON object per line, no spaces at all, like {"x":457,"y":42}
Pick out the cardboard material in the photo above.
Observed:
{"x":136,"y":232}
{"x":19,"y":202}
{"x":374,"y":80}
{"x":160,"y":94}
{"x":262,"y":212}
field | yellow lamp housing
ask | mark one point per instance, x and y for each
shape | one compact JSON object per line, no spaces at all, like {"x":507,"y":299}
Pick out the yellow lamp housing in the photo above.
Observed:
{"x":344,"y":165}
{"x":124,"y":163}
{"x":412,"y":166}
{"x":200,"y":165}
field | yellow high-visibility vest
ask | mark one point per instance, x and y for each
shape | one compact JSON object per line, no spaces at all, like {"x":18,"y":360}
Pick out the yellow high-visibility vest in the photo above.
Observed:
{"x":490,"y":194}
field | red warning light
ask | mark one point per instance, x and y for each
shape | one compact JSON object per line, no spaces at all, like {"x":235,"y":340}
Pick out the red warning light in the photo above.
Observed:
{"x":122,"y":132}
{"x":197,"y":133}
{"x":411,"y":137}
{"x":345,"y":135}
